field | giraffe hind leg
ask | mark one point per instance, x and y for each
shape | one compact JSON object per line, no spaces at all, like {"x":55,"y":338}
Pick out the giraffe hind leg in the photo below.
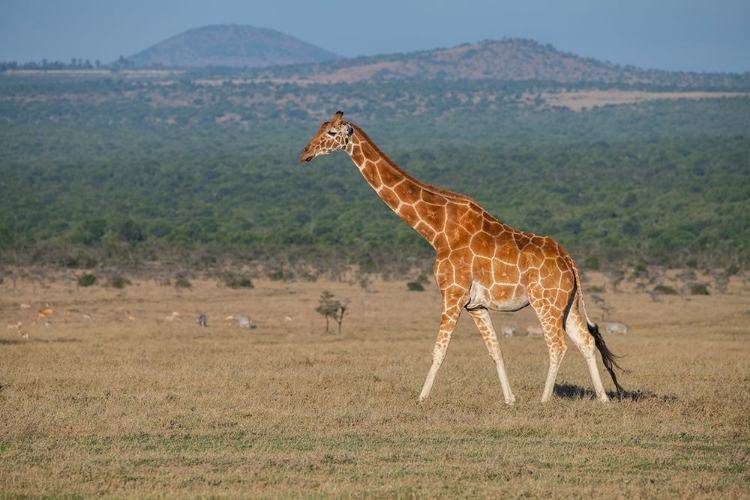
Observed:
{"x":552,"y":318}
{"x":586,"y":341}
{"x":555,"y":339}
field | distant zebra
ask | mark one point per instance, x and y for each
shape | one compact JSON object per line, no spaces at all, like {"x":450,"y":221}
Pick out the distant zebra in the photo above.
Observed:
{"x":245,"y":322}
{"x":508,"y":330}
{"x":202,"y":320}
{"x":615,"y":327}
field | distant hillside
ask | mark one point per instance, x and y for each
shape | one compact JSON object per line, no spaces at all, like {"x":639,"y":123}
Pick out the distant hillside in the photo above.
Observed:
{"x":230,"y":46}
{"x":509,"y":59}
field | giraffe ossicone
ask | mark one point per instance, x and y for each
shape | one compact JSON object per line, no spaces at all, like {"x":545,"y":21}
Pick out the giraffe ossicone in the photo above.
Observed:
{"x":481,"y":263}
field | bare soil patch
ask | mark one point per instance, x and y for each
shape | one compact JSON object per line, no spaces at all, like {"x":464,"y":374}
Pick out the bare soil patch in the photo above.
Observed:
{"x":583,"y":99}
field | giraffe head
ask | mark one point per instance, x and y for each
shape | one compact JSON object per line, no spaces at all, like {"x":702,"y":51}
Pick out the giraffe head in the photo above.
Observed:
{"x":332,"y":136}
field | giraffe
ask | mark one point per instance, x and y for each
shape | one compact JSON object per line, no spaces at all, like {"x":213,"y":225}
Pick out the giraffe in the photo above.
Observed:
{"x":481,"y":264}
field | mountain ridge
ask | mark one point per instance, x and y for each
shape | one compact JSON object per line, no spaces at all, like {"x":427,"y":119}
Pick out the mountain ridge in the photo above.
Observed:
{"x":265,"y":54}
{"x":229,"y":45}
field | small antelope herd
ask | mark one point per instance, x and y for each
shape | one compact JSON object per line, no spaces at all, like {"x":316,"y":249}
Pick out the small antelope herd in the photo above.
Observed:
{"x":44,"y":316}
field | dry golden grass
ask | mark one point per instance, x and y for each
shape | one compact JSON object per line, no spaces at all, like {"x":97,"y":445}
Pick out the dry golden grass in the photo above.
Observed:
{"x":145,"y":407}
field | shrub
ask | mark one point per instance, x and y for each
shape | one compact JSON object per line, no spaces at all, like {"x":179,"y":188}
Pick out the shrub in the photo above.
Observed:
{"x":234,"y":281}
{"x":87,"y":279}
{"x":415,"y":286}
{"x":118,"y":282}
{"x":698,"y":289}
{"x":665,"y":290}
{"x":183,"y":283}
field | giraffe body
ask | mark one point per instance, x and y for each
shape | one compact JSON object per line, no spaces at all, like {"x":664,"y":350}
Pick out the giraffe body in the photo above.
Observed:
{"x":481,"y":263}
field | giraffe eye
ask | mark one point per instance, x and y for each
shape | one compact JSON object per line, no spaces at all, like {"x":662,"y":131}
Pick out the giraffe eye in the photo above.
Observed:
{"x":332,"y":133}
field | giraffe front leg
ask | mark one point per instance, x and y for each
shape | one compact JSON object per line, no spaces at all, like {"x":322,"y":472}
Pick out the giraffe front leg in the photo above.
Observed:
{"x":451,"y":312}
{"x":438,"y":354}
{"x":484,"y":323}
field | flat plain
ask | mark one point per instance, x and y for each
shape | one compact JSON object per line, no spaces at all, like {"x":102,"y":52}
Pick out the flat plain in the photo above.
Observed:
{"x":114,"y":396}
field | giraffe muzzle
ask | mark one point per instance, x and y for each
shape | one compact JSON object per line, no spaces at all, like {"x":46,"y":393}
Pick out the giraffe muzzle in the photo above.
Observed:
{"x":307,"y":156}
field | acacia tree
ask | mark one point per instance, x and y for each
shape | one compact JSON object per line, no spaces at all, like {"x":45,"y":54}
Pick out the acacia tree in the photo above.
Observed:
{"x":330,"y":308}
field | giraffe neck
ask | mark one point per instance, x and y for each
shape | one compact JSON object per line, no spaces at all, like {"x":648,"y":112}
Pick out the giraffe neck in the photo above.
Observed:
{"x":420,"y":205}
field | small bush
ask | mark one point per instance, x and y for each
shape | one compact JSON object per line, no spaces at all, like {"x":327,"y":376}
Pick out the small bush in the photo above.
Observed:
{"x":698,"y":289}
{"x":183,"y":283}
{"x":415,"y":286}
{"x":118,"y":282}
{"x":665,"y":290}
{"x":87,"y":279}
{"x":235,"y":282}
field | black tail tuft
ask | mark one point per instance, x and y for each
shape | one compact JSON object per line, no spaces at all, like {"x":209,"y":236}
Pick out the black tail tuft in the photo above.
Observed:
{"x":608,"y":358}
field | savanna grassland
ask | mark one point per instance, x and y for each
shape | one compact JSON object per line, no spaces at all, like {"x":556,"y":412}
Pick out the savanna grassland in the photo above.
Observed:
{"x":129,"y":404}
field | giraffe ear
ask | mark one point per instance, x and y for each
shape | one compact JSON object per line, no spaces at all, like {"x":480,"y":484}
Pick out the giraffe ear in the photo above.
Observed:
{"x":349,"y":130}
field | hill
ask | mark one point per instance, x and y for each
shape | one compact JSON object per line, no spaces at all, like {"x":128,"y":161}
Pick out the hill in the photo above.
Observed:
{"x":509,"y":59}
{"x":230,"y":46}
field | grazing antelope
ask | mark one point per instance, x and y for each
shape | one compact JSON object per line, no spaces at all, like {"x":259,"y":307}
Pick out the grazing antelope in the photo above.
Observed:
{"x":615,"y":327}
{"x":175,"y":316}
{"x":14,"y":326}
{"x":508,"y":330}
{"x":44,"y":313}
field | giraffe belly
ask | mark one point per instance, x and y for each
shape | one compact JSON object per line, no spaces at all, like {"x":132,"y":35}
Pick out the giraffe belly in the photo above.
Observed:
{"x":497,"y":297}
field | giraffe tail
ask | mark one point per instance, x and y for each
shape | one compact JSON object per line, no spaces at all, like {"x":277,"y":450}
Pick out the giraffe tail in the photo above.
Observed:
{"x":609,"y":359}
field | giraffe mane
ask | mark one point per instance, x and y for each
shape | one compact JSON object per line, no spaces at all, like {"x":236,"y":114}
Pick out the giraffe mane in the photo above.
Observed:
{"x":427,"y":187}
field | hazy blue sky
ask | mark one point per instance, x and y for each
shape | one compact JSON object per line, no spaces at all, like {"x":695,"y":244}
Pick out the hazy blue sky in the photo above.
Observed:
{"x":689,"y":35}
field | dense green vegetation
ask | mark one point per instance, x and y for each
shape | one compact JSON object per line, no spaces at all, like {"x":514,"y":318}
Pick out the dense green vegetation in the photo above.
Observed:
{"x":99,"y":171}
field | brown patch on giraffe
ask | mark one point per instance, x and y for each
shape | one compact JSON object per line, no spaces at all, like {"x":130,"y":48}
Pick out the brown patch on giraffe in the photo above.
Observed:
{"x":462,"y":258}
{"x":444,"y":273}
{"x":408,"y":213}
{"x":357,"y":156}
{"x":433,"y":198}
{"x":440,"y":241}
{"x":426,"y":231}
{"x":483,"y":244}
{"x":432,"y":214}
{"x":389,"y":197}
{"x":370,"y":152}
{"x":503,"y":273}
{"x":371,"y":175}
{"x":409,"y":192}
{"x":458,"y":236}
{"x":506,"y":250}
{"x":390,"y":176}
{"x":491,"y":226}
{"x":481,"y":269}
{"x":502,"y":292}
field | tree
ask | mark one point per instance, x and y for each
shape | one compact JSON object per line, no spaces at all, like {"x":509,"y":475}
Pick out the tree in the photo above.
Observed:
{"x":330,"y":308}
